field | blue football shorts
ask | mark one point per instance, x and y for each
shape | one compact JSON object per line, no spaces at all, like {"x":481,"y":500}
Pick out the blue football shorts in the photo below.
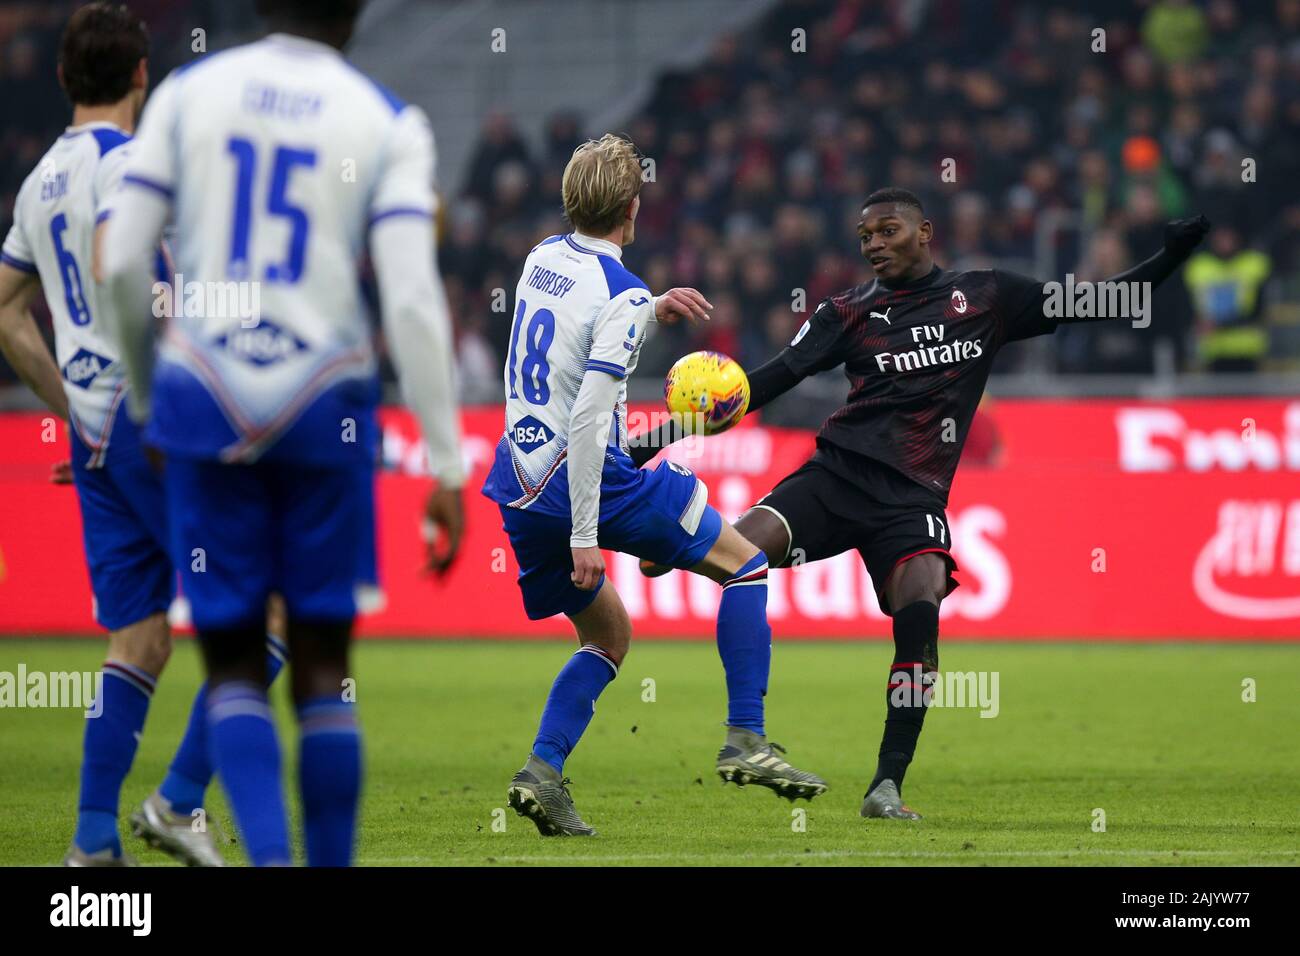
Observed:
{"x":124,"y":528}
{"x":241,"y":532}
{"x":664,"y":517}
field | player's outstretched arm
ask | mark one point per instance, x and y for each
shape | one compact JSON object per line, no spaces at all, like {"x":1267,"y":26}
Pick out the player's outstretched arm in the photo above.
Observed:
{"x":21,"y":342}
{"x":1182,"y":236}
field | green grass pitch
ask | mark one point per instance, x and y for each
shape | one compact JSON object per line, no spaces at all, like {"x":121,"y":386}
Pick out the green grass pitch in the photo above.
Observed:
{"x":1156,"y":736}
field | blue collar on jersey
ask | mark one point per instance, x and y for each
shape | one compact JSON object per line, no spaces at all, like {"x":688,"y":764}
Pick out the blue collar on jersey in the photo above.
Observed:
{"x":593,"y":246}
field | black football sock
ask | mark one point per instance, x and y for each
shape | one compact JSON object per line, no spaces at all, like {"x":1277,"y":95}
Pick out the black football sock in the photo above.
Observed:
{"x":916,"y":661}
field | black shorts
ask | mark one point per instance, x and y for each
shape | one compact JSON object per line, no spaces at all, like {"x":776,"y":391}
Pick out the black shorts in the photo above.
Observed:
{"x":825,"y":514}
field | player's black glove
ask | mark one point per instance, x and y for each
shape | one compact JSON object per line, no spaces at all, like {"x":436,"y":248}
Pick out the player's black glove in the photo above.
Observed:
{"x":1184,"y":235}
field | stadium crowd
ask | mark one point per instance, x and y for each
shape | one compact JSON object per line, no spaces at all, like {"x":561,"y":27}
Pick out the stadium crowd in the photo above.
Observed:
{"x":1066,"y":157}
{"x":763,"y":154}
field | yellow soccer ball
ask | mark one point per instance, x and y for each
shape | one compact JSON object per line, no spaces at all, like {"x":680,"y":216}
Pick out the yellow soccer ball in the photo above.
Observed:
{"x":709,"y":390}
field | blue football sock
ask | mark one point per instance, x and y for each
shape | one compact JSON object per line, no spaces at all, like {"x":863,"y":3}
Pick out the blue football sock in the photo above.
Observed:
{"x":571,"y":703}
{"x":745,"y":643}
{"x":329,"y":775}
{"x":191,"y":770}
{"x":107,"y":752}
{"x":245,"y":752}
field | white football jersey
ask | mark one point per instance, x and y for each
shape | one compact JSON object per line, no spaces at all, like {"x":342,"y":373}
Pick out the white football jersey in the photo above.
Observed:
{"x":576,"y":309}
{"x":53,"y":236}
{"x":277,"y":157}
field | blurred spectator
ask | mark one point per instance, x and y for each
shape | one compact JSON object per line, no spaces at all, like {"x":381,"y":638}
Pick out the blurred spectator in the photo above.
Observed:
{"x":1225,"y":282}
{"x":1175,"y":30}
{"x":500,"y":144}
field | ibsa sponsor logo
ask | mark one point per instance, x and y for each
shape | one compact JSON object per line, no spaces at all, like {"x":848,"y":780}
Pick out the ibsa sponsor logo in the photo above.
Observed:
{"x":84,"y":367}
{"x":528,"y":434}
{"x":1250,"y":567}
{"x":265,"y":343}
{"x":1155,"y":439}
{"x":835,"y":589}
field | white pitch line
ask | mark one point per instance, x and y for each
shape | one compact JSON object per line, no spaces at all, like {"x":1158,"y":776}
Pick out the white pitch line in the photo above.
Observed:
{"x":832,"y":854}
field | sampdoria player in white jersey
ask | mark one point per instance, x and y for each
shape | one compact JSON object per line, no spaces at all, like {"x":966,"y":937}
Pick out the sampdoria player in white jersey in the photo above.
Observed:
{"x":50,"y":247}
{"x":280,"y":163}
{"x":566,"y":487}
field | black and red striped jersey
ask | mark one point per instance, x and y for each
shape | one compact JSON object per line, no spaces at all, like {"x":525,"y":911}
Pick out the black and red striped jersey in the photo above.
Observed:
{"x":917,"y":357}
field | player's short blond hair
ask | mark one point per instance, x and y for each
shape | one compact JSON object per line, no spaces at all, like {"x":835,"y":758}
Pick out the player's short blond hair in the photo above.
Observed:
{"x":600,"y":182}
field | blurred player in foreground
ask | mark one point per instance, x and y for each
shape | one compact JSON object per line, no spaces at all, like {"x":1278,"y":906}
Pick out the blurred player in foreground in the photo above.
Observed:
{"x":60,"y":209}
{"x":267,"y":414}
{"x":916,"y":343}
{"x":566,"y":488}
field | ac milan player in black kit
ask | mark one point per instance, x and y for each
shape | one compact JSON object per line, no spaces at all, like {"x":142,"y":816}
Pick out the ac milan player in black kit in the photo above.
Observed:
{"x":917,"y":344}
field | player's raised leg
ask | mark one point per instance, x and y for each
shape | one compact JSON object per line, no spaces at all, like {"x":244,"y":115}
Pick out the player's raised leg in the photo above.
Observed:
{"x":745,"y":646}
{"x":914,"y":589}
{"x":539,"y":791}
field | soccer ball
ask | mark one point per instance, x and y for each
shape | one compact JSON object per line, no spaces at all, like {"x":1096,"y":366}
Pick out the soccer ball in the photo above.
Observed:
{"x":708,"y":390}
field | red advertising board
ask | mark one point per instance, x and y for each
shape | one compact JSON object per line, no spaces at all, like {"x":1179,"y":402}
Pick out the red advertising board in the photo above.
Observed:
{"x":1100,"y":520}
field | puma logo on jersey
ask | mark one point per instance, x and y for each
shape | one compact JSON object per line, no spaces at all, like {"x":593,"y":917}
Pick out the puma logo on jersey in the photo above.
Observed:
{"x":883,"y":315}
